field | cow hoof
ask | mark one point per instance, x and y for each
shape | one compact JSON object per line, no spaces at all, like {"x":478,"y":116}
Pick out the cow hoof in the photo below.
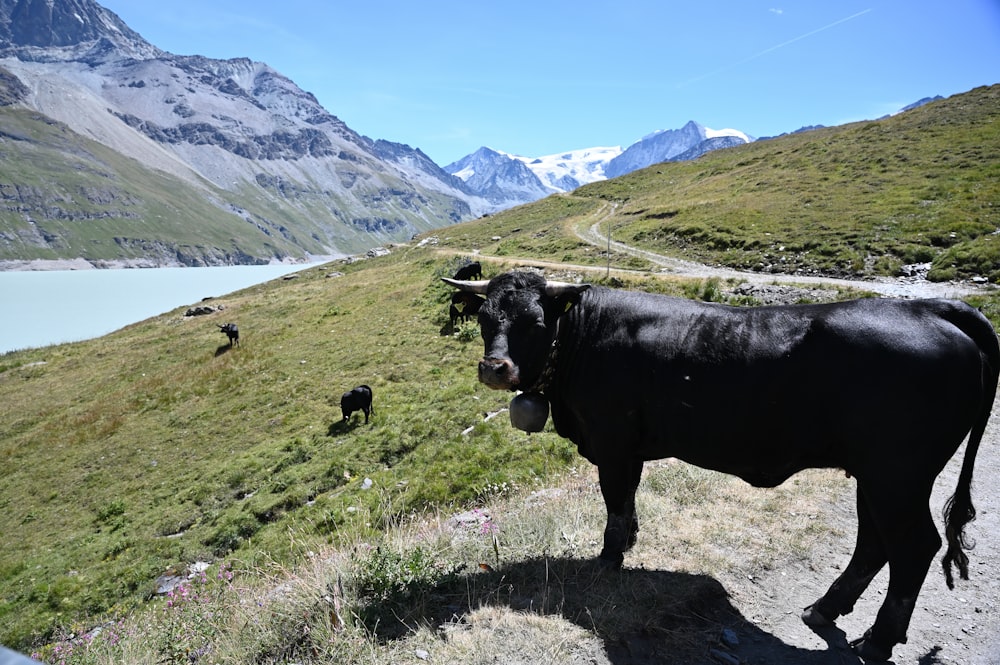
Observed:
{"x":868,"y":652}
{"x":812,"y":618}
{"x":611,"y":562}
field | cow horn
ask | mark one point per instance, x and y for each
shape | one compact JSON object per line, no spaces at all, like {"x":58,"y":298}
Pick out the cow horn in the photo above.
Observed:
{"x":476,"y":286}
{"x":556,"y":289}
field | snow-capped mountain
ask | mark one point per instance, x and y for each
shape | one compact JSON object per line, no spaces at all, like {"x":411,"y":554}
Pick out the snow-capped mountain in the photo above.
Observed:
{"x":506,"y":180}
{"x":670,"y":144}
{"x":503,"y":180}
{"x":568,"y":170}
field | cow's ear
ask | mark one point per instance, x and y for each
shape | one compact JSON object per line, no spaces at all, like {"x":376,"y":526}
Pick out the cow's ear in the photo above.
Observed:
{"x":565,"y":295}
{"x":478,"y":286}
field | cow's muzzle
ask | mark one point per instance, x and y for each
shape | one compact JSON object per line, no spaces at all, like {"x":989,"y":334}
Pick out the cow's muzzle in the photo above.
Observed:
{"x":498,"y":373}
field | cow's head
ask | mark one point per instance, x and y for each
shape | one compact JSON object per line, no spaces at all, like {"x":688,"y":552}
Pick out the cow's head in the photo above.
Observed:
{"x":518,"y":322}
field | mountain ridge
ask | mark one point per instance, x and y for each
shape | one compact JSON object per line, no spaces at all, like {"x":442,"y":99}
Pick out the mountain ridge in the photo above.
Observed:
{"x":499,"y":177}
{"x":277,"y":176}
{"x":262,"y":151}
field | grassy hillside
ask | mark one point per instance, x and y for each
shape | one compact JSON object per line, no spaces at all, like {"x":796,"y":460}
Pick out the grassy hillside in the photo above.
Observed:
{"x":153,"y":446}
{"x":136,"y":454}
{"x":855,"y":200}
{"x":66,"y":197}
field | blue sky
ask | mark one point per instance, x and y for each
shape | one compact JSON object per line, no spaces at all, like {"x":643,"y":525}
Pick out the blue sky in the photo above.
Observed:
{"x":541,"y":77}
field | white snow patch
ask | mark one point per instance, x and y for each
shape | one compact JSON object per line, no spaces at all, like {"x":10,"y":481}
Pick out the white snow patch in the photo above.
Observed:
{"x":465,"y":173}
{"x":713,"y":133}
{"x":585,"y":165}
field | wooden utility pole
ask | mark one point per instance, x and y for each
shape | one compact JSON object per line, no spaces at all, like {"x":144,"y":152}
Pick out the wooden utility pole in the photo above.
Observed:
{"x":609,"y":248}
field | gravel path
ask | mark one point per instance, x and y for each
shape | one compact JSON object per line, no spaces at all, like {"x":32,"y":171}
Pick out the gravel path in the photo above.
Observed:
{"x":904,"y":287}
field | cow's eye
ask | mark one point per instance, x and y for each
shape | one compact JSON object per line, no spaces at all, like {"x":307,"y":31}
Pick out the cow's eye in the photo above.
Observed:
{"x":531,"y":329}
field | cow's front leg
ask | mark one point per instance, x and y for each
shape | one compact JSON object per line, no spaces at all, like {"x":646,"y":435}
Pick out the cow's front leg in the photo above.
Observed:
{"x":619,"y":480}
{"x":869,"y":558}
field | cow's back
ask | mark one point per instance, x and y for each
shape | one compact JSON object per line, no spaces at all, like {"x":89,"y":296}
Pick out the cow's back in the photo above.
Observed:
{"x":781,"y":388}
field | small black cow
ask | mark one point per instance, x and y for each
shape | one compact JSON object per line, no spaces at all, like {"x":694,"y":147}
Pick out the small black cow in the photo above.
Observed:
{"x":464,"y":306}
{"x":885,"y":389}
{"x":470,"y":271}
{"x":232,"y":332}
{"x":357,"y":399}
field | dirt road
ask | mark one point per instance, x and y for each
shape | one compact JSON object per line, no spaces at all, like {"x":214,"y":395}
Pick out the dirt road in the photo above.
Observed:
{"x":887,"y":286}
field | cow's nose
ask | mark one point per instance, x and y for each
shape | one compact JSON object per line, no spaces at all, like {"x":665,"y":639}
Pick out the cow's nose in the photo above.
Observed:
{"x":497,"y":366}
{"x":496,"y":372}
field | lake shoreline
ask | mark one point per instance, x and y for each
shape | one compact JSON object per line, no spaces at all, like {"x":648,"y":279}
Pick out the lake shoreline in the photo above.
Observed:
{"x":55,"y":306}
{"x":38,"y":265}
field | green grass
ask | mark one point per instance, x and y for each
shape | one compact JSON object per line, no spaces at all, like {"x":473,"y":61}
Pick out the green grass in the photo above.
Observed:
{"x":156,"y":446}
{"x":516,"y":576}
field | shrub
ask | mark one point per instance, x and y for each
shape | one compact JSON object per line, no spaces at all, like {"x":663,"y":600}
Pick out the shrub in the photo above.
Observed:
{"x":396,"y":585}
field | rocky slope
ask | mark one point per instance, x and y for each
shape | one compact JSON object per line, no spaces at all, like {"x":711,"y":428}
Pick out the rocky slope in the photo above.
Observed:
{"x":246,"y":141}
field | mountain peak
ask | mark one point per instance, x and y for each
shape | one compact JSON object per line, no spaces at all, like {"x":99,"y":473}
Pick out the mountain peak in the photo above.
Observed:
{"x":502,"y":179}
{"x":51,"y":24}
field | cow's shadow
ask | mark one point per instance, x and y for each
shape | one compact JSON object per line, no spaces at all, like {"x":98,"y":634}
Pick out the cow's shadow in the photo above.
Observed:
{"x":642,"y":616}
{"x":342,"y":426}
{"x":225,"y":348}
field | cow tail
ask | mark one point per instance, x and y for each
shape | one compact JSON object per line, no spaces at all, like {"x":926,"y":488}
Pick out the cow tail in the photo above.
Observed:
{"x":958,"y":510}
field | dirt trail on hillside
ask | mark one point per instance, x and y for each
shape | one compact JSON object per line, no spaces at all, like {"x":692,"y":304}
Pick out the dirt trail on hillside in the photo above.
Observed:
{"x":896,"y":287}
{"x":900,"y":287}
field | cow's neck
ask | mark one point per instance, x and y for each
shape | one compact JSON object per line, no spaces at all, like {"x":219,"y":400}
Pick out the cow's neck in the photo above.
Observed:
{"x":544,"y":379}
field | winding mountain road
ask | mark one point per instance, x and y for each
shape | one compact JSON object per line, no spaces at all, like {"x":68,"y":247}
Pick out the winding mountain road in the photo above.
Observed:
{"x":901,"y":287}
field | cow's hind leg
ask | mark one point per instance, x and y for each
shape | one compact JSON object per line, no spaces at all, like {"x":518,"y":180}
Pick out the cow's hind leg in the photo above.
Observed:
{"x":911,"y":550}
{"x":619,"y":481}
{"x":902,"y":520}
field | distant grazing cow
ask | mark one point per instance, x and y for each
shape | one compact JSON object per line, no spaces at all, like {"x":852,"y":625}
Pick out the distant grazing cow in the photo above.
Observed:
{"x":885,"y":389}
{"x":464,"y":306}
{"x":232,"y":332}
{"x":357,"y":399}
{"x":470,"y":271}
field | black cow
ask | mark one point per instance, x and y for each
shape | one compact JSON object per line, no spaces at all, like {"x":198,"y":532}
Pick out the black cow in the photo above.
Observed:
{"x":470,"y":271}
{"x":232,"y":332}
{"x":464,"y":306}
{"x":884,"y":389}
{"x":357,"y":399}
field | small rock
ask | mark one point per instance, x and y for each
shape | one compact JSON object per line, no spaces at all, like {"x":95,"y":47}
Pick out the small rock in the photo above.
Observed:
{"x":167,"y":583}
{"x":202,"y":310}
{"x":723,"y":657}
